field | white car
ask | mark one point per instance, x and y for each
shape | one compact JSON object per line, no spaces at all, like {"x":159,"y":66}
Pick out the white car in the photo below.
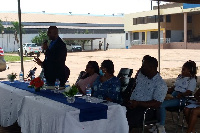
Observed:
{"x":2,"y":61}
{"x":74,"y":48}
{"x":31,"y":49}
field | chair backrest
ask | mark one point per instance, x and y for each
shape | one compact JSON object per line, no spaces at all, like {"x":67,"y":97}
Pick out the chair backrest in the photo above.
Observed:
{"x":125,"y":72}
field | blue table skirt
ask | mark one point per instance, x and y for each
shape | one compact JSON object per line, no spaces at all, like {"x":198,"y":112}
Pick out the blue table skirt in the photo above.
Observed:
{"x":88,"y":111}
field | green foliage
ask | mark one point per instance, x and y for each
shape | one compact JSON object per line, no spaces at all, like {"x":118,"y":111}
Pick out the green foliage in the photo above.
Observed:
{"x":9,"y":58}
{"x":16,"y":27}
{"x":12,"y":76}
{"x":1,"y":26}
{"x":73,"y":91}
{"x":39,"y":39}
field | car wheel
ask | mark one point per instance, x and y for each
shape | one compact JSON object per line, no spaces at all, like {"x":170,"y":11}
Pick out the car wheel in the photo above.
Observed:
{"x":26,"y":53}
{"x":18,"y":53}
{"x":38,"y":54}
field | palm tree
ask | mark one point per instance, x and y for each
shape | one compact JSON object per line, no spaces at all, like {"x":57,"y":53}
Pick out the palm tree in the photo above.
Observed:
{"x":16,"y":30}
{"x":1,"y":26}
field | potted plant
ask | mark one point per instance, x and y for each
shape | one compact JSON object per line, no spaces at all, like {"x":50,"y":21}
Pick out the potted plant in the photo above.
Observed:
{"x":11,"y":77}
{"x":70,"y":92}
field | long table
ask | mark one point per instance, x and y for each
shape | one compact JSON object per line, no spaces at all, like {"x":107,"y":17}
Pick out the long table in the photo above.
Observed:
{"x":38,"y":114}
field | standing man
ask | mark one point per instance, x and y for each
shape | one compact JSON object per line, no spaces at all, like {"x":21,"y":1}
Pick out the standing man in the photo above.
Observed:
{"x":54,"y":62}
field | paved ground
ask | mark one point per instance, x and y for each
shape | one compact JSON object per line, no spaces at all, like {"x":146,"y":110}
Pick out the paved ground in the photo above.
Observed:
{"x":171,"y":63}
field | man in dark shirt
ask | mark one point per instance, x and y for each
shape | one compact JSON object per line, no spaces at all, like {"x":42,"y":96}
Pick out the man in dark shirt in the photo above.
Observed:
{"x":54,"y":62}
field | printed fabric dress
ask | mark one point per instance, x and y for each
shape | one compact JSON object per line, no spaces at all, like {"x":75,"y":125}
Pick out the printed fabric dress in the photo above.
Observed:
{"x":107,"y":89}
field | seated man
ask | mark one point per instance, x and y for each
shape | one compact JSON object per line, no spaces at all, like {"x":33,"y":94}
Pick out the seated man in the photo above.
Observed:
{"x":150,"y":91}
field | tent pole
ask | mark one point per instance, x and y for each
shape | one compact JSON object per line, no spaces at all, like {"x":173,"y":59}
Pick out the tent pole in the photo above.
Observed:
{"x":159,"y":36}
{"x":20,"y":37}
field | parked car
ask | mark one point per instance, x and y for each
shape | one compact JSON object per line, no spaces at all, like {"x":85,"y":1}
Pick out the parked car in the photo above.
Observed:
{"x":74,"y":48}
{"x":2,"y":61}
{"x":30,"y":49}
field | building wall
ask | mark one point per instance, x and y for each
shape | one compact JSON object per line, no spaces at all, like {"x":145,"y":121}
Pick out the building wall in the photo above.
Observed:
{"x":175,"y":45}
{"x":177,"y":22}
{"x":116,"y":41}
{"x":196,"y":20}
{"x":177,"y":36}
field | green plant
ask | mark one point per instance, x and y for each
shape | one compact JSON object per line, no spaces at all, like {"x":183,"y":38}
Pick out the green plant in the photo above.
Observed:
{"x":39,"y":39}
{"x":12,"y":76}
{"x":71,"y":92}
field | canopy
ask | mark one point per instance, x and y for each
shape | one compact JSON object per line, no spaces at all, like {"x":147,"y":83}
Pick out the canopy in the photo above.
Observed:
{"x":182,"y":1}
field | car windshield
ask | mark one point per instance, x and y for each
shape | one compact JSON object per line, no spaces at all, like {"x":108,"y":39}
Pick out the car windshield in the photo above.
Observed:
{"x":31,"y":45}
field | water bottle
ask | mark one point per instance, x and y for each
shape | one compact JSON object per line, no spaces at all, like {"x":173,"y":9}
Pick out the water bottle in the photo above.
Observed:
{"x":88,"y":93}
{"x":21,"y":76}
{"x":67,"y":86}
{"x":57,"y":84}
{"x":45,"y":83}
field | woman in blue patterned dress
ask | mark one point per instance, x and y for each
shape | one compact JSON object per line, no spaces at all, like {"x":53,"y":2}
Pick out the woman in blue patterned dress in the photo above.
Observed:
{"x":107,"y":86}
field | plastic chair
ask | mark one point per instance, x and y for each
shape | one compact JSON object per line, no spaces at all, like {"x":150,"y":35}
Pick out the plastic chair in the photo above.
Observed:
{"x":125,"y":72}
{"x":152,"y":121}
{"x":178,"y":109}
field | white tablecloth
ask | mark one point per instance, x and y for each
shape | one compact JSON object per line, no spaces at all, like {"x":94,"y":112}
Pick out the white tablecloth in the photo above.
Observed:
{"x":10,"y":103}
{"x":42,"y":115}
{"x":37,"y":114}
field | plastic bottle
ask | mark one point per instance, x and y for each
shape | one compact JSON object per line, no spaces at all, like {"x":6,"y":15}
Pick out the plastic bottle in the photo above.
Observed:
{"x":45,"y":83}
{"x":21,"y":76}
{"x":88,"y":93}
{"x":57,"y":84}
{"x":67,"y":86}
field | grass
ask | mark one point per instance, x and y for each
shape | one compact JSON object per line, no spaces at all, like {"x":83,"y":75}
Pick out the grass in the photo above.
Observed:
{"x":10,"y":58}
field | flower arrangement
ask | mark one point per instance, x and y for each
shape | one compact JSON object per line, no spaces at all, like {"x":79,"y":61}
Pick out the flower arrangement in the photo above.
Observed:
{"x":37,"y":83}
{"x":71,"y":91}
{"x":12,"y":76}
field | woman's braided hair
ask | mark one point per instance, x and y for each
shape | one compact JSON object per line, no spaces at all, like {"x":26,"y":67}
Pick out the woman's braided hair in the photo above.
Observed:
{"x":191,"y":65}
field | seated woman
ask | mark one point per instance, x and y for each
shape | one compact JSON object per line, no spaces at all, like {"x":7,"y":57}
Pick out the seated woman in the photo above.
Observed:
{"x":107,"y":86}
{"x":90,"y":75}
{"x":192,"y":112}
{"x":184,"y":86}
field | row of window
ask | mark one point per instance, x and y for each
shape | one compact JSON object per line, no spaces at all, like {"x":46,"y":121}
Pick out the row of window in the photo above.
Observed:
{"x":154,"y":19}
{"x":154,"y":34}
{"x":149,"y":19}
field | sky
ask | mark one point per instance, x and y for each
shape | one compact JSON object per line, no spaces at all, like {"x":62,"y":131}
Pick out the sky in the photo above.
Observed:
{"x":101,"y":7}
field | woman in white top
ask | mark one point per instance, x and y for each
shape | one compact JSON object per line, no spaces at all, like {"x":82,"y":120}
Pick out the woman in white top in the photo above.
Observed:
{"x":184,"y":86}
{"x":192,"y":113}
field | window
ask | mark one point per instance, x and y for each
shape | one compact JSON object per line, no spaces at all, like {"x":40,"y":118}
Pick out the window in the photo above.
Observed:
{"x":168,"y":33}
{"x":136,"y":36}
{"x":151,"y":19}
{"x":168,"y":18}
{"x":189,"y":19}
{"x":134,"y":21}
{"x":126,"y":36}
{"x":141,"y":20}
{"x":154,"y":34}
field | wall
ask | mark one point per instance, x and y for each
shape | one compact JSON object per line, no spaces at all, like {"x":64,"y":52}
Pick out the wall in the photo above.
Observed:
{"x":153,"y":41}
{"x":177,"y":36}
{"x":175,"y":45}
{"x":195,"y":21}
{"x":116,"y":41}
{"x":9,"y":44}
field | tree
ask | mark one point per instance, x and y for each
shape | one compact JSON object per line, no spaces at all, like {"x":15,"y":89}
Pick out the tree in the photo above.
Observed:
{"x":16,"y":30}
{"x":39,"y":39}
{"x":84,"y":41}
{"x":1,"y":26}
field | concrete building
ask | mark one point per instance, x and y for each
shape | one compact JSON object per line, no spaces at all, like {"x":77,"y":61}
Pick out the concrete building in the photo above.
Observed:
{"x":179,"y":27}
{"x":107,"y":29}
